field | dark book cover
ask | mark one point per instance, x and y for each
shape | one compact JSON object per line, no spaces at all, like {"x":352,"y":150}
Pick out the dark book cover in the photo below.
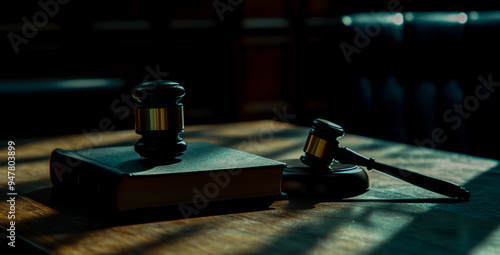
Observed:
{"x":125,"y":180}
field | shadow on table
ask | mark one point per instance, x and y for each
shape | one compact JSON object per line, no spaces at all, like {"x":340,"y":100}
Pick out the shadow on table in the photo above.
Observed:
{"x":448,"y":226}
{"x":68,"y":220}
{"x":465,"y":225}
{"x":302,"y":203}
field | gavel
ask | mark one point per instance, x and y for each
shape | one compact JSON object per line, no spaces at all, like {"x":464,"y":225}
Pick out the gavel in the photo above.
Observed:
{"x":323,"y":147}
{"x":159,"y":118}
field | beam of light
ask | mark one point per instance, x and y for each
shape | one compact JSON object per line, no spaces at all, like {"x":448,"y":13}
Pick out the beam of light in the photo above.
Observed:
{"x":347,"y":20}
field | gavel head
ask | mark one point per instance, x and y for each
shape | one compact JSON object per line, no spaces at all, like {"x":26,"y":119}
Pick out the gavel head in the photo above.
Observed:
{"x":159,"y":118}
{"x":321,"y":144}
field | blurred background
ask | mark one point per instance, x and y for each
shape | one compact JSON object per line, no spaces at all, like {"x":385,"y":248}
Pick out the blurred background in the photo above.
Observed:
{"x":417,"y":72}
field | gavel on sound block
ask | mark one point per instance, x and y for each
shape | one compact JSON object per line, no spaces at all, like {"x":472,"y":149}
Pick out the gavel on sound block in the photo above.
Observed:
{"x":323,"y":147}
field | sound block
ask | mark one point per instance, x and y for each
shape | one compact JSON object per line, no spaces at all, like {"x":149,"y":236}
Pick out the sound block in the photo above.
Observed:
{"x":343,"y":181}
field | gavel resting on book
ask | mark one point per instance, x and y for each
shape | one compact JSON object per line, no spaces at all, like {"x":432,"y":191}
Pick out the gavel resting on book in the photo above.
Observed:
{"x":163,"y":170}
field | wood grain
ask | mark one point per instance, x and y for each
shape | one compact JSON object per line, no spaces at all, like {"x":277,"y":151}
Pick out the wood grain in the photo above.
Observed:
{"x":392,"y":218}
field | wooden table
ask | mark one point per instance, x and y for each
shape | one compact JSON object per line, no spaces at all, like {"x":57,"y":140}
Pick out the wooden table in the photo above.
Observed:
{"x":393,"y":217}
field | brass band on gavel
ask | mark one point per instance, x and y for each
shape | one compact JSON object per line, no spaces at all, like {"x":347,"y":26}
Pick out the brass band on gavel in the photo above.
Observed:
{"x":319,"y":147}
{"x":157,"y":119}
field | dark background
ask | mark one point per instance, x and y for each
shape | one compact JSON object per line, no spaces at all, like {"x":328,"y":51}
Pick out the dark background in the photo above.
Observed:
{"x":262,"y":57}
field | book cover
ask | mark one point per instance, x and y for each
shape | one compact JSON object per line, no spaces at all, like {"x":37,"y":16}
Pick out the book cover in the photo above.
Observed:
{"x":124,"y":180}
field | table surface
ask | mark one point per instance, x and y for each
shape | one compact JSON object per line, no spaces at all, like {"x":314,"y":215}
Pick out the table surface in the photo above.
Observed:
{"x":393,"y":217}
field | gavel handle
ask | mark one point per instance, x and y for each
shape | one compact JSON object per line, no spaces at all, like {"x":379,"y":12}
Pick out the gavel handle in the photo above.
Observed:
{"x":439,"y":186}
{"x":348,"y":156}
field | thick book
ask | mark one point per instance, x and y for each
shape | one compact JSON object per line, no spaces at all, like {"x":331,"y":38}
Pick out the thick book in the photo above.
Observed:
{"x":120,"y":178}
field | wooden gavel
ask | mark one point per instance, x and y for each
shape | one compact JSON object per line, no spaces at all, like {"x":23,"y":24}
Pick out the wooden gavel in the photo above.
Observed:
{"x":322,"y":147}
